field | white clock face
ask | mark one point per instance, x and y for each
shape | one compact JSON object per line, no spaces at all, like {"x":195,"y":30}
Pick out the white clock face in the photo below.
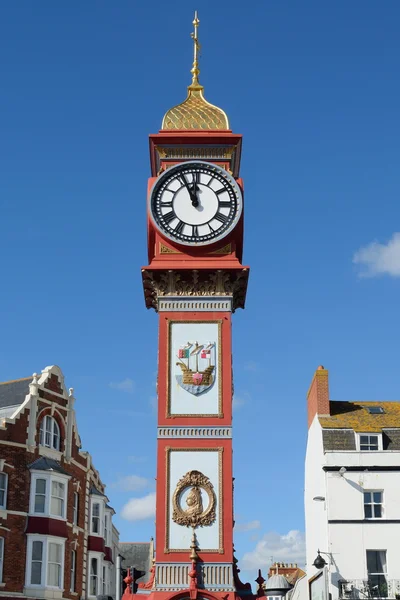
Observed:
{"x":195,"y":203}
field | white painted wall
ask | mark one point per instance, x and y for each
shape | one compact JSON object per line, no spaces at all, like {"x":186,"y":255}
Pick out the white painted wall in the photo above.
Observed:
{"x":348,"y":542}
{"x":300,"y":590}
{"x":315,"y":485}
{"x":346,"y":493}
{"x":207,"y":462}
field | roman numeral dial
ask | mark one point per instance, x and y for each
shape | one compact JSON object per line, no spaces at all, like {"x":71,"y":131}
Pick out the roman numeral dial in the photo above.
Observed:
{"x":195,"y":203}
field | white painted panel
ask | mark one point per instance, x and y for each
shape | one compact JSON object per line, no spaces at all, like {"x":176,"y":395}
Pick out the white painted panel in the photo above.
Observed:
{"x":207,"y":462}
{"x":201,"y":400}
{"x":349,"y":543}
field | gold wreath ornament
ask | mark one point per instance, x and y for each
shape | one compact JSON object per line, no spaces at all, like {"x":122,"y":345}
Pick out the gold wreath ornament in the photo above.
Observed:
{"x":194,"y":515}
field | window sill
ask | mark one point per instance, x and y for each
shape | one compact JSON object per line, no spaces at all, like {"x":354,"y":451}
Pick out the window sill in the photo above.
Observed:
{"x":47,"y":516}
{"x":50,"y":452}
{"x":38,"y":591}
{"x":2,"y":585}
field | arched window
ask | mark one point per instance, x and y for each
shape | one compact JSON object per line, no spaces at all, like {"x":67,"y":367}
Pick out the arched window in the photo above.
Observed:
{"x":49,"y":433}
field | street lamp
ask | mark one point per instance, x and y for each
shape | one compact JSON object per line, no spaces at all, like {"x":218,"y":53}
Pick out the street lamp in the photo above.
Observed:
{"x":319,"y":562}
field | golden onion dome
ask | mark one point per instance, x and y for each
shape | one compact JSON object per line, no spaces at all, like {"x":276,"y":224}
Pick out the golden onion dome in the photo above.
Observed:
{"x":195,"y":112}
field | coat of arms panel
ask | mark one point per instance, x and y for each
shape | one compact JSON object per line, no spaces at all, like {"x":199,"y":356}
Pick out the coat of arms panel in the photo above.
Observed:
{"x":194,"y":368}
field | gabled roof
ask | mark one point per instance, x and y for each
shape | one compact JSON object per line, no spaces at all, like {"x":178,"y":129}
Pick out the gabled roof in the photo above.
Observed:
{"x":355,"y":415}
{"x":12,"y":393}
{"x":95,"y":492}
{"x":47,"y":464}
{"x":137,"y":555}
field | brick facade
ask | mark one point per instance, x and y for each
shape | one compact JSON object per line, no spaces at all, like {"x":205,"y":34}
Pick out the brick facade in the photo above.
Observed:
{"x":46,"y":397}
{"x":318,"y":395}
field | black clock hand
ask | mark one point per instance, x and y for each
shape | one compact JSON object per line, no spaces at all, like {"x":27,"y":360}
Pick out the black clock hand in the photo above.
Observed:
{"x":192,"y":193}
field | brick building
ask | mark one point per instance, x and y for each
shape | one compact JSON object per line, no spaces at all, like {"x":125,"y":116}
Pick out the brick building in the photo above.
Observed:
{"x":57,"y":539}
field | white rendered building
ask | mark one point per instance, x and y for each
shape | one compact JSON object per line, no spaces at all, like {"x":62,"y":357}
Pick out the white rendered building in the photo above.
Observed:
{"x":352,"y":496}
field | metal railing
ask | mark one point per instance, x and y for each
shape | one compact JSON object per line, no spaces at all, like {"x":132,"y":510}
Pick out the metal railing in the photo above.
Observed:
{"x":376,"y":587}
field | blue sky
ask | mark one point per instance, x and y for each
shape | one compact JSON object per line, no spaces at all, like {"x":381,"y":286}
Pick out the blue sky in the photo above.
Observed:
{"x":314,"y":89}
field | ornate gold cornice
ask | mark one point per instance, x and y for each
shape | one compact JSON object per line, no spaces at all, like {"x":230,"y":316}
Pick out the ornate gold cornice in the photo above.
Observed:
{"x":195,"y":283}
{"x":167,"y":250}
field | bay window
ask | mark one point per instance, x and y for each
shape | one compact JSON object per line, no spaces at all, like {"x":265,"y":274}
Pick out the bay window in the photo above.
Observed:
{"x":73,"y":571}
{"x":54,"y":564}
{"x":36,"y":562}
{"x":3,"y":490}
{"x":40,"y":495}
{"x":1,"y":558}
{"x":49,"y":494}
{"x":96,"y":517}
{"x":75,"y":509}
{"x":104,"y":592}
{"x":106,"y":529}
{"x":45,"y":561}
{"x":94,"y":576}
{"x":57,"y":498}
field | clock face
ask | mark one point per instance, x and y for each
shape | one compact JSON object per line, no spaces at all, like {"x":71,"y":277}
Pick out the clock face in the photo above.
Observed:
{"x":195,"y":203}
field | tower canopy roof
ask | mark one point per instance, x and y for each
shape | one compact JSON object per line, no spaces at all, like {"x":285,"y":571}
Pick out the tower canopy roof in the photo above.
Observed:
{"x":277,"y":582}
{"x":195,"y":112}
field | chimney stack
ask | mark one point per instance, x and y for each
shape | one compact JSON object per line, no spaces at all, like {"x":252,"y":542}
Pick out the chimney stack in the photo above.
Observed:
{"x":318,"y":395}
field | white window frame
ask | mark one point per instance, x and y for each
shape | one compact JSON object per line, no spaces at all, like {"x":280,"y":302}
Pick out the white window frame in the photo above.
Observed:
{"x":372,"y":504}
{"x":72,"y":573}
{"x":105,"y":528}
{"x":377,"y":435}
{"x":383,"y":574}
{"x":49,"y":478}
{"x":5,"y":490}
{"x":54,"y":432}
{"x":75,"y":509}
{"x":104,"y":580}
{"x":97,"y":500}
{"x":1,"y":558}
{"x":99,"y":585}
{"x":46,"y":540}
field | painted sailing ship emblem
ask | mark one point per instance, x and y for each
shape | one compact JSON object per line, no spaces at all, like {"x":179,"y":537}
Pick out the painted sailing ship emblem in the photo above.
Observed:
{"x":197,"y":368}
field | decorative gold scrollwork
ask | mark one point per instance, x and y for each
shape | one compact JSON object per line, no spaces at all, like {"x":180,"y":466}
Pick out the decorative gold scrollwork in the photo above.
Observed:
{"x":195,"y":514}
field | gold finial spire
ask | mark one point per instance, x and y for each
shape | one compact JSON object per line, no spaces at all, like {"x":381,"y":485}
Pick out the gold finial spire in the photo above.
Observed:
{"x":195,"y":112}
{"x":195,"y":71}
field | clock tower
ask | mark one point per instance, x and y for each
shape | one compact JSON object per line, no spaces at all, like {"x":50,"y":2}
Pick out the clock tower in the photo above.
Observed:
{"x":195,"y":280}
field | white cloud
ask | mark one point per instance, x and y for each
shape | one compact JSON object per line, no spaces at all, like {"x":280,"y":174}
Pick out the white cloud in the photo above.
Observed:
{"x":239,"y":401}
{"x":131,"y":483}
{"x":247,"y":526}
{"x":139,"y":509}
{"x":126,"y":385}
{"x":379,"y":259}
{"x":289,"y":547}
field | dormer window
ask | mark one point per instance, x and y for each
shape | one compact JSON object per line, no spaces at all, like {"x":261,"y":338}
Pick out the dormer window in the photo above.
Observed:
{"x":96,"y":517}
{"x":369,"y":442}
{"x":49,"y":435}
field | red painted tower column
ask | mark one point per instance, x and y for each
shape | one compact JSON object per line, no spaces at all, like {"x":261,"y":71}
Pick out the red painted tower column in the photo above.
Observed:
{"x":195,"y":280}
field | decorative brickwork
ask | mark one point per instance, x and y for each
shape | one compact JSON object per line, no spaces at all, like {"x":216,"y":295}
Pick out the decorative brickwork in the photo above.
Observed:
{"x":49,"y":397}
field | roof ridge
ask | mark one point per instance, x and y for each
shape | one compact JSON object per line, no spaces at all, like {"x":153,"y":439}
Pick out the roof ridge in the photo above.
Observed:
{"x":15,"y":380}
{"x":134,"y":542}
